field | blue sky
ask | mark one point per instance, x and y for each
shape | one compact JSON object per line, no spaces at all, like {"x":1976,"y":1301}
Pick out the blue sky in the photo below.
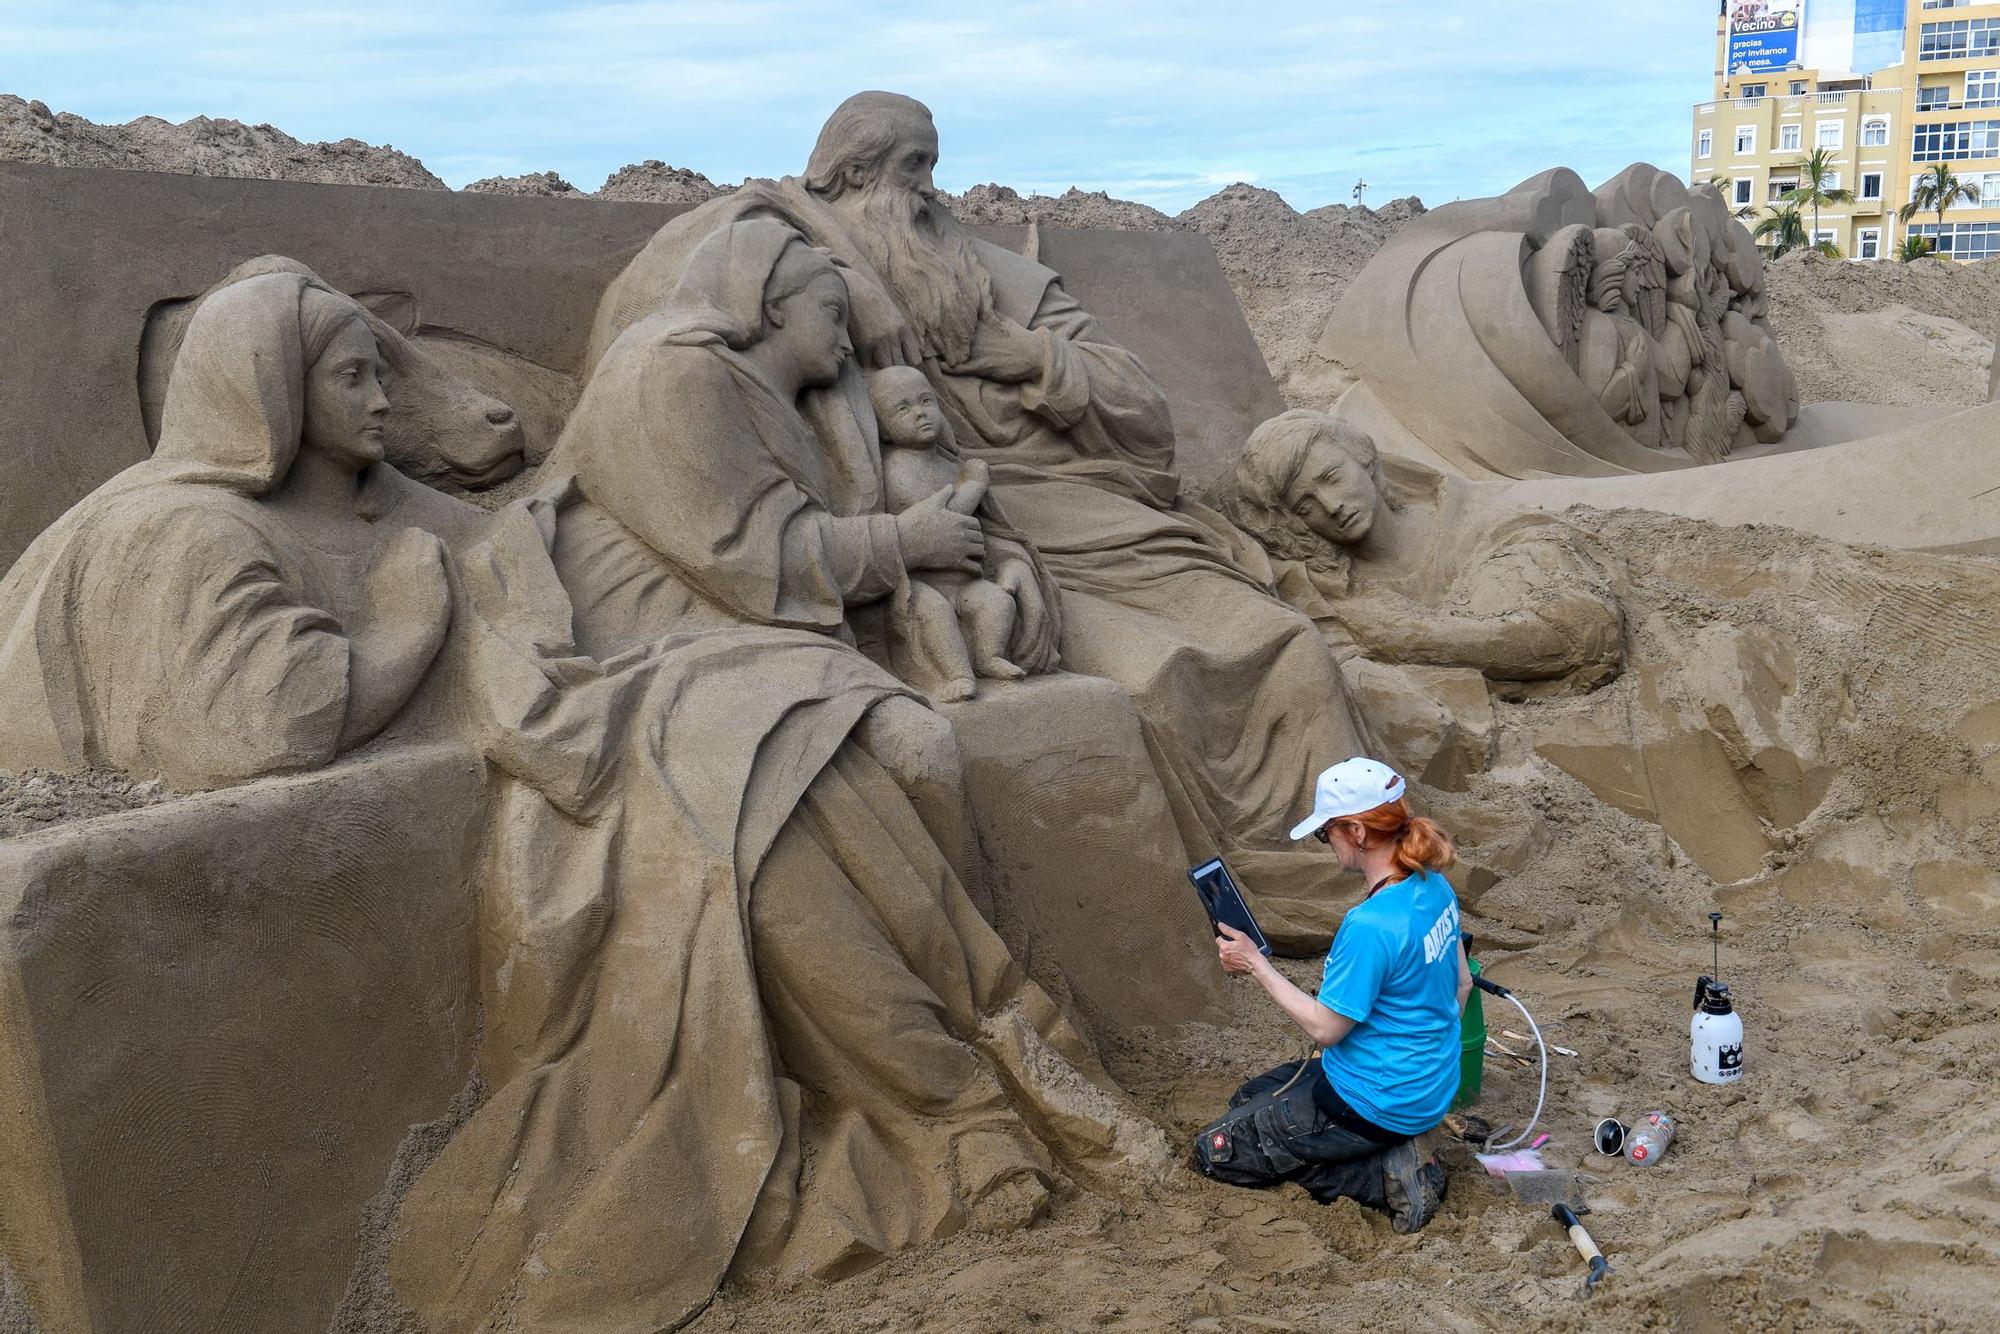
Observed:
{"x":1163,"y":102}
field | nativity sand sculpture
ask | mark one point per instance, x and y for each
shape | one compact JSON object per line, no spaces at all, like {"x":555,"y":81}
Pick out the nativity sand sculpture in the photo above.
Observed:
{"x":739,"y":1010}
{"x":1557,"y":332}
{"x":1158,"y":592}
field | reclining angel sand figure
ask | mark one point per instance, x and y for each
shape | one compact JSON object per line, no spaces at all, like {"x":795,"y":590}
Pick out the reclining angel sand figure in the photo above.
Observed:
{"x":955,"y":626}
{"x":738,"y":1010}
{"x":1241,"y":699}
{"x":1401,"y":564}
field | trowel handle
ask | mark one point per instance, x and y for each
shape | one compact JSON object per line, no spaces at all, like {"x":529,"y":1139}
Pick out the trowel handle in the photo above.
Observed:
{"x":1585,"y":1247}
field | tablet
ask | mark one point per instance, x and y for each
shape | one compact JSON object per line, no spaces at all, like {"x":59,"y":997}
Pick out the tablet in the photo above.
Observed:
{"x":1223,"y":902}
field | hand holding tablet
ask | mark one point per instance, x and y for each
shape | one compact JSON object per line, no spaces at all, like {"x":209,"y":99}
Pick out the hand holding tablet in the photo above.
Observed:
{"x":1223,"y":902}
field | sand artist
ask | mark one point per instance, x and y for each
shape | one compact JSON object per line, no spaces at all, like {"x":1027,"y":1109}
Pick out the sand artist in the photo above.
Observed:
{"x":738,"y":1010}
{"x":1238,"y":692}
{"x":1356,"y":1121}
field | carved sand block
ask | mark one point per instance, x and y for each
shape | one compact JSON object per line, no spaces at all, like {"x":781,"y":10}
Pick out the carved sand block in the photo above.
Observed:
{"x":1089,"y":877}
{"x":219,"y":1018}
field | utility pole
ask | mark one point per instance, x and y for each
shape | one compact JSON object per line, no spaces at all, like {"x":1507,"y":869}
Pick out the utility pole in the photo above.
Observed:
{"x":1360,"y":192}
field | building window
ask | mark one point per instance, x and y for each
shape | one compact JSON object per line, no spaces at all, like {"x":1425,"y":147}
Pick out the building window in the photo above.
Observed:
{"x":1933,"y":99}
{"x":1960,"y":39}
{"x":1705,"y":146}
{"x":1868,"y":243}
{"x":1989,"y":188}
{"x":1828,"y":135}
{"x":1982,"y":88}
{"x":1955,"y":141}
{"x":1746,"y":140}
{"x":1780,"y":187}
{"x":1752,"y":91}
{"x":1875,"y":132}
{"x":1788,"y":138}
{"x":1962,"y":240}
{"x":1800,"y":87}
{"x":1742,"y":188}
{"x":1871,"y":185}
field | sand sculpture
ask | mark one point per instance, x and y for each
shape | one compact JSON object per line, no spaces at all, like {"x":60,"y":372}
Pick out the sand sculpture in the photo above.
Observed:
{"x":742,"y":1007}
{"x":1556,"y":332}
{"x":1406,"y":565}
{"x":874,"y":1073}
{"x":439,"y":429}
{"x":1158,"y":592}
{"x":1434,"y":593}
{"x":957,"y":625}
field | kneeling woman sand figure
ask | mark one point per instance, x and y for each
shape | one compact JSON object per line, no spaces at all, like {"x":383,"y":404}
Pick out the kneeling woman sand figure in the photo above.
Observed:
{"x":1355,"y":1121}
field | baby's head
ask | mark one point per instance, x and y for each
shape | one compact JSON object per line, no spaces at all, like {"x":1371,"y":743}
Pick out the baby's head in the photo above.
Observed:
{"x":906,"y":407}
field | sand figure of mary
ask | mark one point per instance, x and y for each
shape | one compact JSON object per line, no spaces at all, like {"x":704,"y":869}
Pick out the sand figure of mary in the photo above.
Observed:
{"x":738,"y":1012}
{"x":757,"y":1022}
{"x":1242,"y":702}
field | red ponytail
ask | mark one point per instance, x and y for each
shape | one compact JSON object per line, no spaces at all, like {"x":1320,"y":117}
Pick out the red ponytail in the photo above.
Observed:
{"x":1420,"y":844}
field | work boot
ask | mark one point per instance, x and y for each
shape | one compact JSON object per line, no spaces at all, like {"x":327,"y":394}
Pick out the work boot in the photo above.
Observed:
{"x":1413,"y":1177}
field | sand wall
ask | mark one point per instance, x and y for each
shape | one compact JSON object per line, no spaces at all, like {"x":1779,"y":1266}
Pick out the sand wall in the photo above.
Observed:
{"x":219,"y":1017}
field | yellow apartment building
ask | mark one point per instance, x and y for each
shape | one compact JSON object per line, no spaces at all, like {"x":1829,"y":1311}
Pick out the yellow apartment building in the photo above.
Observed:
{"x":1888,"y":87}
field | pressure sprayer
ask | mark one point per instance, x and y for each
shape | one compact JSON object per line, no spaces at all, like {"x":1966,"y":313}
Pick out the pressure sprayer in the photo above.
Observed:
{"x":1715,"y":1034}
{"x":1541,"y":1094}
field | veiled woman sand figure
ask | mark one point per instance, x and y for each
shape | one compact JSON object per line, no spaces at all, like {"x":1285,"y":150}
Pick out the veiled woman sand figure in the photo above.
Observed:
{"x":737,"y":1009}
{"x":252,"y":599}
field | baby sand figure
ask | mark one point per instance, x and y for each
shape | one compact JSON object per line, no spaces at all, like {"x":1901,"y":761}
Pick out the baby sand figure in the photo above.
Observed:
{"x":952,"y":628}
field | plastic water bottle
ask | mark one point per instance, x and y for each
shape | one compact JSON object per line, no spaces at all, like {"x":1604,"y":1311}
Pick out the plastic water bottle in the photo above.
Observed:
{"x":1651,"y":1134}
{"x":1715,"y":1035}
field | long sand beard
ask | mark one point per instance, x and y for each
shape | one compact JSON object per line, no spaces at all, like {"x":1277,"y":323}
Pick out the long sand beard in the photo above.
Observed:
{"x":925,"y":256}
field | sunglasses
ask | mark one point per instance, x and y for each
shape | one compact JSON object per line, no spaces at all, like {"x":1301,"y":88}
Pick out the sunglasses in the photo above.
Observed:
{"x":1321,"y":832}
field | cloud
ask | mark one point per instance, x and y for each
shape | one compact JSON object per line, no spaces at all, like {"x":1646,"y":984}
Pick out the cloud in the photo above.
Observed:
{"x":1163,"y":101}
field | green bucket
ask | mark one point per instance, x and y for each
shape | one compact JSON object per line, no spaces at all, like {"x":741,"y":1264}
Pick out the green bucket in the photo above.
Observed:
{"x":1471,"y":1048}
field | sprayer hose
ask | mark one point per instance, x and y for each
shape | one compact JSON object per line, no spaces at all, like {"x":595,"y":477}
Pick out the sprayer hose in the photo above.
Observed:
{"x":1542,"y":1094}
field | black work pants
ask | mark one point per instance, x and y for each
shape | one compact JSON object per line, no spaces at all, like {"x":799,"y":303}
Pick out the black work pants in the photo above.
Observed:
{"x":1277,"y":1130}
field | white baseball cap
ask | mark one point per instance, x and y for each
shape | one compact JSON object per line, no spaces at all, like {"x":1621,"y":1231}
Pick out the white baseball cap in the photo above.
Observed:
{"x":1349,"y":788}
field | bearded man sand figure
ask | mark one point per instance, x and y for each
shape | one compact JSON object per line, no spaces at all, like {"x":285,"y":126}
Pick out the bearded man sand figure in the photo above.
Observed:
{"x":1242,"y":700}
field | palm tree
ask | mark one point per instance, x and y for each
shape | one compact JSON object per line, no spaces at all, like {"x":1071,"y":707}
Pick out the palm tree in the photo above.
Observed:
{"x":1812,"y":190}
{"x":1785,"y":229}
{"x":1913,"y":247}
{"x":1938,"y":189}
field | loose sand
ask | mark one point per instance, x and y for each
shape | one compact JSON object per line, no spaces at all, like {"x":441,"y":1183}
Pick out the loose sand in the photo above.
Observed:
{"x":1848,"y":1183}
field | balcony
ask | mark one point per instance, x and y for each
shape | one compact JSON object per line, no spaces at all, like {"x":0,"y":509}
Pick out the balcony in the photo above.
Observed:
{"x":1797,"y":102}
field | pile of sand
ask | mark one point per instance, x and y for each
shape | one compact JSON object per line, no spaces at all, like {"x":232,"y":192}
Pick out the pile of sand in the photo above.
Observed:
{"x":1917,"y":334}
{"x":30,"y":132}
{"x":654,"y":182}
{"x":535,"y":185}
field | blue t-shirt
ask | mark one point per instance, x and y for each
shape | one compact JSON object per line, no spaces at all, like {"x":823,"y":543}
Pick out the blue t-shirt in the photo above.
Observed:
{"x":1393,"y":970}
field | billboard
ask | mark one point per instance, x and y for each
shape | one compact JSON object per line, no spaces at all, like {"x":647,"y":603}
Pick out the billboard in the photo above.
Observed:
{"x":1764,"y":34}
